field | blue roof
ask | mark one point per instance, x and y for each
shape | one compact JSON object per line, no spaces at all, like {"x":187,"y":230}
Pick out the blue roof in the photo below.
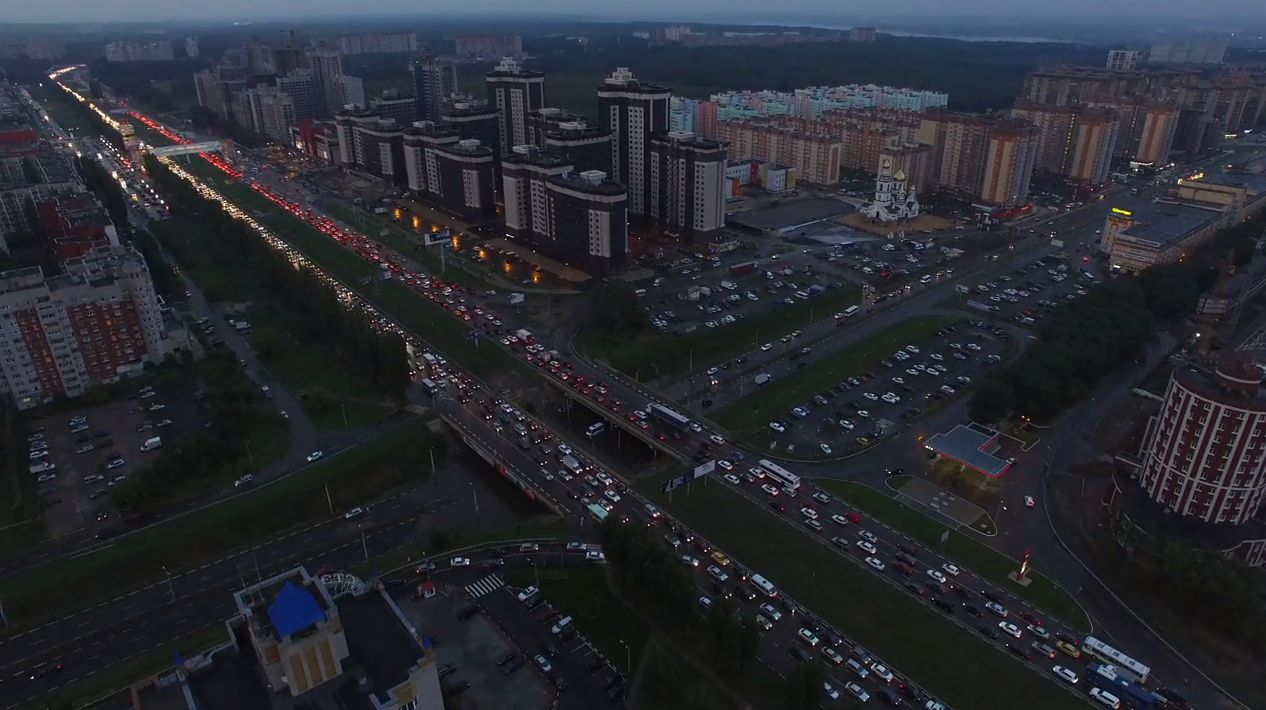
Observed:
{"x":294,"y":610}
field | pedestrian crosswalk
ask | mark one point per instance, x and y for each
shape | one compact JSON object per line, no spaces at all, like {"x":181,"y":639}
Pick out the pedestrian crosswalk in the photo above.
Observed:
{"x":487,"y":585}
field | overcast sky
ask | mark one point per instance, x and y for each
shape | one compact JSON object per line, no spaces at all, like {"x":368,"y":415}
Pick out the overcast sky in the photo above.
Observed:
{"x":841,"y":12}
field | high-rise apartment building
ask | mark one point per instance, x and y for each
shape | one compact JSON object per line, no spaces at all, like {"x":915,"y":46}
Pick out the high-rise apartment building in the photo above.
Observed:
{"x":489,"y":46}
{"x":586,"y":147}
{"x":379,"y":43}
{"x":455,"y":173}
{"x":1195,"y":49}
{"x":632,"y":111}
{"x":515,"y":92}
{"x":580,"y":219}
{"x":391,"y":104}
{"x":1123,"y":59}
{"x":1076,"y":142}
{"x":261,"y":58}
{"x":815,"y":157}
{"x":351,"y":91}
{"x":300,"y":86}
{"x":687,"y":175}
{"x":814,"y":101}
{"x":96,"y":322}
{"x":862,"y":34}
{"x":326,"y":66}
{"x":987,"y":158}
{"x":373,"y":142}
{"x":434,"y":83}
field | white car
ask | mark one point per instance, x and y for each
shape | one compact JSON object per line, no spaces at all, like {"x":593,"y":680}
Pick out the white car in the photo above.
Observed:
{"x":353,"y":513}
{"x":830,"y":692}
{"x":769,"y":611}
{"x":459,"y":562}
{"x":769,"y":490}
{"x":595,"y":556}
{"x":1039,"y":632}
{"x":778,"y":427}
{"x":315,"y":456}
{"x":871,"y":396}
{"x":950,"y":569}
{"x":1065,"y":674}
{"x":716,"y":439}
{"x":731,"y":479}
{"x":808,"y":637}
{"x":868,"y":547}
{"x":912,"y":350}
{"x":689,"y":561}
{"x":1010,"y":629}
{"x":997,"y":608}
{"x":766,"y":347}
{"x":726,"y":465}
{"x":936,"y":574}
{"x":839,"y":519}
{"x":881,"y":672}
{"x":611,"y":495}
{"x":868,"y":536}
{"x":825,"y":449}
{"x":857,"y":691}
{"x":543,"y":663}
{"x":527,"y":593}
{"x":874,"y":562}
{"x":1029,"y":502}
{"x":809,"y":513}
{"x":564,"y":449}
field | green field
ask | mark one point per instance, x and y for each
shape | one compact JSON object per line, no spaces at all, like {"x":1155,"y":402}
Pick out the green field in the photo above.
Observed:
{"x":428,"y":321}
{"x":361,"y":474}
{"x":656,"y":356}
{"x":952,"y":663}
{"x":749,"y":416}
{"x":310,"y":371}
{"x":961,"y":549}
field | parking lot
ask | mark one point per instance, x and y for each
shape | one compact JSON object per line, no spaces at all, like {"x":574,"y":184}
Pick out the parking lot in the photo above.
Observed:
{"x":834,"y":416}
{"x":93,"y":448}
{"x":1028,"y":295}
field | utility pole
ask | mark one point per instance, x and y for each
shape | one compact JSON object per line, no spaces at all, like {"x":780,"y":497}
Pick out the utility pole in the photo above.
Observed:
{"x":329,"y":502}
{"x":364,"y":545}
{"x":170,"y":588}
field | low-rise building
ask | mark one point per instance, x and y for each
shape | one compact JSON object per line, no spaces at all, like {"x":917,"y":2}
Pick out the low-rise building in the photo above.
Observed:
{"x":1163,"y":233}
{"x":1241,"y":195}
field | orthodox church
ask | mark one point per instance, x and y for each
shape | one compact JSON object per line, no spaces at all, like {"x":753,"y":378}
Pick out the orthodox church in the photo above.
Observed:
{"x":894,"y":201}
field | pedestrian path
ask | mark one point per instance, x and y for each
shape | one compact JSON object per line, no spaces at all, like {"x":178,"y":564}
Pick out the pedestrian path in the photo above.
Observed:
{"x":487,"y":585}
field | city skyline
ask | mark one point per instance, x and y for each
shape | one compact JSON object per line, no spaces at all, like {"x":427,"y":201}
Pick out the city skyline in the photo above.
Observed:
{"x":708,"y":11}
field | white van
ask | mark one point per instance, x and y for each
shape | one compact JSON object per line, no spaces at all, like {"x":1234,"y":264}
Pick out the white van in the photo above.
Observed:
{"x":640,"y":292}
{"x":1106,"y":699}
{"x":764,"y":585}
{"x":595,"y":429}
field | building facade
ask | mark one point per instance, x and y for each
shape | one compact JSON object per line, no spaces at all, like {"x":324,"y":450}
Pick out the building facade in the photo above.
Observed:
{"x":379,"y":43}
{"x":579,"y":219}
{"x":95,"y":323}
{"x":1142,"y":237}
{"x":1076,"y":142}
{"x":631,"y":111}
{"x":455,"y":174}
{"x":434,"y":83}
{"x":1204,"y":454}
{"x":688,"y":175}
{"x":515,"y":93}
{"x":138,"y":52}
{"x":488,"y":46}
{"x":326,"y":65}
{"x":988,"y":158}
{"x":815,"y":157}
{"x":1122,"y":59}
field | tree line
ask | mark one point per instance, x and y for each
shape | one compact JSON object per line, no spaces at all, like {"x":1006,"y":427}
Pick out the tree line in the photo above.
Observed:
{"x":647,"y":567}
{"x":235,"y":410}
{"x":158,"y":85}
{"x":1107,"y":329}
{"x":318,"y":314}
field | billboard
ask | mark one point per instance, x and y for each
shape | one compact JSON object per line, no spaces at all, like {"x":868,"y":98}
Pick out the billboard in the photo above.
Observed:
{"x":440,"y":237}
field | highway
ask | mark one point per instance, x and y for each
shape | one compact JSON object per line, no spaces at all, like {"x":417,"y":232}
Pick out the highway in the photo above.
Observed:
{"x":631,"y":397}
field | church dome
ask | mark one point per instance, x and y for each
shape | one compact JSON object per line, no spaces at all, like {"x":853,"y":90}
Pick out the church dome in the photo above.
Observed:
{"x":900,"y":176}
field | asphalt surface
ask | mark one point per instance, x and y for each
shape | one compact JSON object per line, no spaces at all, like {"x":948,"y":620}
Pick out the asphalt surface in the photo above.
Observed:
{"x":630,"y":397}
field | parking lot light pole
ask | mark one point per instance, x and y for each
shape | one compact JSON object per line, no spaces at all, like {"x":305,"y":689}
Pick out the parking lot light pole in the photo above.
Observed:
{"x":170,"y":588}
{"x":628,"y":657}
{"x":328,"y":501}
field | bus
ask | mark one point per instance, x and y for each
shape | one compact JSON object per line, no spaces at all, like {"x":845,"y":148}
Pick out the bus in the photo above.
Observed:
{"x":850,"y":311}
{"x":598,"y":512}
{"x":1126,"y":666}
{"x":789,"y":480}
{"x":668,"y":416}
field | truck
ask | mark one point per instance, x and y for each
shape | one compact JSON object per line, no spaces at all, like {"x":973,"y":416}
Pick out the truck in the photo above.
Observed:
{"x":523,"y":335}
{"x":728,"y":285}
{"x":667,"y":416}
{"x":962,"y":289}
{"x":573,"y":465}
{"x":151,"y":444}
{"x":743,"y":268}
{"x":43,"y":467}
{"x":705,"y":291}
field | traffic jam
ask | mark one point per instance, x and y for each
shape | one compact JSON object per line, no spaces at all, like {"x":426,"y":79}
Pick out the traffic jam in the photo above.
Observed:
{"x":940,"y":583}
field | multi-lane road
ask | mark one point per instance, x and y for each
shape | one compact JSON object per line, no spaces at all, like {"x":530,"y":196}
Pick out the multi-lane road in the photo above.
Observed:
{"x":632,"y":397}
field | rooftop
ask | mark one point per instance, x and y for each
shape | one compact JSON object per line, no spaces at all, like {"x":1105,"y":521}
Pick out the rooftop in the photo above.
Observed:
{"x":594,"y":182}
{"x":971,"y":448}
{"x":379,"y":640}
{"x":1163,"y":222}
{"x":1255,"y":183}
{"x":791,"y":215}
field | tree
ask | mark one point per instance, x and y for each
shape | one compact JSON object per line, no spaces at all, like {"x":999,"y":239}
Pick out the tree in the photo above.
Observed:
{"x":747,"y":647}
{"x":806,"y":686}
{"x":614,"y":310}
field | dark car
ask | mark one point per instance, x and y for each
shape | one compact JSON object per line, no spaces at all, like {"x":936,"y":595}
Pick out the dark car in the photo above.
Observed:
{"x":1018,"y":651}
{"x":936,"y":588}
{"x":799,"y":653}
{"x":987,"y":630}
{"x":889,"y":698}
{"x":908,"y":550}
{"x":508,"y":657}
{"x":618,"y":693}
{"x":963,"y":592}
{"x":1070,"y":640}
{"x":613,"y":681}
{"x":914,"y":588}
{"x":595,"y":666}
{"x":943,"y":606}
{"x":777,"y":506}
{"x":971,"y":609}
{"x":458,"y":688}
{"x":993,"y":598}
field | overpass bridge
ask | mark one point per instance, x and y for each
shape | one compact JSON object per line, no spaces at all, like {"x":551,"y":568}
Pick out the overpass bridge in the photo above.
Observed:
{"x":505,"y":461}
{"x":664,"y":444}
{"x":171,"y":151}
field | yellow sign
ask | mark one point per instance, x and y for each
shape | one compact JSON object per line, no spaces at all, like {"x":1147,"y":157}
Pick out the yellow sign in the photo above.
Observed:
{"x":1118,"y":210}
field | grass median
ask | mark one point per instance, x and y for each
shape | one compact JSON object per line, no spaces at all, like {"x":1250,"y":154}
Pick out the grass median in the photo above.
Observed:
{"x":427,"y":320}
{"x":750,"y":415}
{"x":951,"y":662}
{"x":962,"y":549}
{"x":358,"y":475}
{"x":669,"y":356}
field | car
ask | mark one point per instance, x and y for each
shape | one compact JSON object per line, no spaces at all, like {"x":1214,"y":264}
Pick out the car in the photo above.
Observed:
{"x":527,"y":593}
{"x":1010,"y":629}
{"x":890,"y":698}
{"x":716,"y":439}
{"x":611,"y":495}
{"x":875,"y":563}
{"x":1017,"y":651}
{"x":830,"y":692}
{"x":459,"y":562}
{"x":595,"y":556}
{"x":769,"y":490}
{"x":1029,"y":502}
{"x":840,"y":542}
{"x":543,"y":663}
{"x":1043,"y":649}
{"x":315,"y":456}
{"x":839,"y":519}
{"x":857,"y":691}
{"x":808,"y":637}
{"x":950,"y":569}
{"x":822,"y":498}
{"x":155,"y":407}
{"x":731,"y":479}
{"x":778,"y":427}
{"x":825,"y":449}
{"x":868,"y":547}
{"x":867,"y":535}
{"x":809,"y":513}
{"x":353,"y":513}
{"x":972,"y":609}
{"x":936,"y":575}
{"x":997,"y":608}
{"x":881,"y":672}
{"x":1065,"y":674}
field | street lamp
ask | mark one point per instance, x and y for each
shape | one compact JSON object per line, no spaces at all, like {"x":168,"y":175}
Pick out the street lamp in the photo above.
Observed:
{"x":628,"y":657}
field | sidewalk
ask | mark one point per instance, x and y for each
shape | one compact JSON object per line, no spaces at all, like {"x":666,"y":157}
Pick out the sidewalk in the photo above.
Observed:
{"x":663,"y":637}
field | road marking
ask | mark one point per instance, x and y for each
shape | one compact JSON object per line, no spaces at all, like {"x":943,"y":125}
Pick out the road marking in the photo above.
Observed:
{"x":487,"y":585}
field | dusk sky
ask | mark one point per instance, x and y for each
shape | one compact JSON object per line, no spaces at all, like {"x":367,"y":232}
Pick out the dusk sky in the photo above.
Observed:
{"x":836,"y":12}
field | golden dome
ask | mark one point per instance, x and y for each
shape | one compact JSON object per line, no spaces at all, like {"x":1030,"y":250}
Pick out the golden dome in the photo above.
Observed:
{"x":900,"y":176}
